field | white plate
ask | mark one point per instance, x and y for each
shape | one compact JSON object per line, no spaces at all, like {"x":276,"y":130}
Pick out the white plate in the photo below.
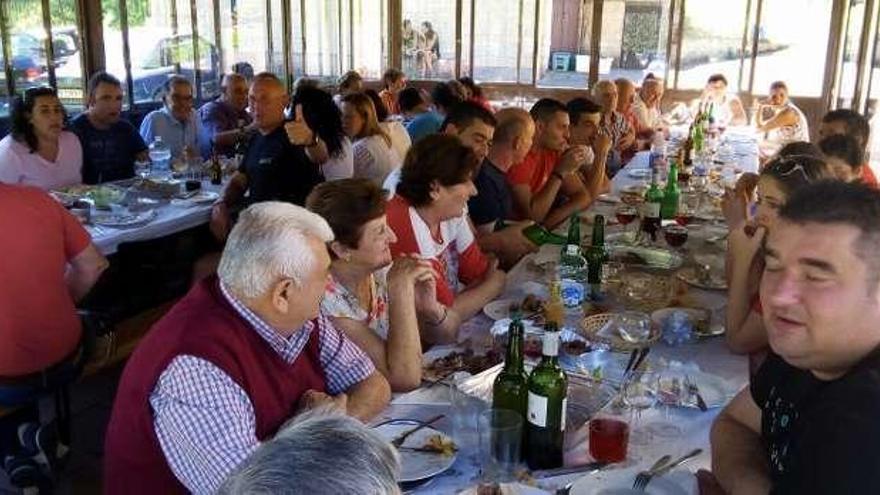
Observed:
{"x":108,"y":219}
{"x":620,"y":481}
{"x":609,"y":198}
{"x":510,"y":489}
{"x":204,"y":197}
{"x":712,"y":388}
{"x":500,"y":309}
{"x":416,"y":466}
{"x":639,"y":173}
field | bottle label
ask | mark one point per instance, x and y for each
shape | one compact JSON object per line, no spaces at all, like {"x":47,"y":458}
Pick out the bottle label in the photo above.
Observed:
{"x":564,"y":410}
{"x":651,"y":210}
{"x":537,"y":411}
{"x":550,"y":343}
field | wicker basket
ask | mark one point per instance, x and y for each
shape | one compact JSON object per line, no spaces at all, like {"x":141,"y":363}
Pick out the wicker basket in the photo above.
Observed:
{"x":591,"y":326}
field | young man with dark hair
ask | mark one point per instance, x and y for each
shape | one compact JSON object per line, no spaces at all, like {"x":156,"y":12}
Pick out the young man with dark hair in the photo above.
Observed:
{"x":546,"y":187}
{"x":808,"y":422}
{"x":411,"y":104}
{"x":585,"y":116}
{"x":445,"y":95}
{"x":846,"y":121}
{"x":110,"y":144}
{"x":844,"y":155}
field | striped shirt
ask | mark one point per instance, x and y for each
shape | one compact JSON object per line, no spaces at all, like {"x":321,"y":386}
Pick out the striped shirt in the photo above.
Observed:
{"x":205,"y":422}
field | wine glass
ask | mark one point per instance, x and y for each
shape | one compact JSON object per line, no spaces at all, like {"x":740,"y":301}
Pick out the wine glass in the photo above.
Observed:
{"x":676,"y":235}
{"x":143,"y":168}
{"x":626,"y":214}
{"x":640,"y":394}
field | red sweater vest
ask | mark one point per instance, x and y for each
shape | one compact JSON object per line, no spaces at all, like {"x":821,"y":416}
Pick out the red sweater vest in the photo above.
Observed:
{"x":205,"y":325}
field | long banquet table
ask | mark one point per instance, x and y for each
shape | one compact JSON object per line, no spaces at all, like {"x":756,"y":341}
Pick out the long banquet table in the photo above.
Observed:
{"x":708,"y":355}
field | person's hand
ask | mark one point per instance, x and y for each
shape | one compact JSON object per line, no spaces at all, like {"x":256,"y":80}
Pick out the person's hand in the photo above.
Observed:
{"x":219,"y":224}
{"x":735,"y":209}
{"x":571,"y":160}
{"x":407,"y":271}
{"x":707,"y":483}
{"x":601,"y":145}
{"x":515,"y":244}
{"x":298,"y":131}
{"x":427,"y":305}
{"x":312,"y":399}
{"x":744,"y":243}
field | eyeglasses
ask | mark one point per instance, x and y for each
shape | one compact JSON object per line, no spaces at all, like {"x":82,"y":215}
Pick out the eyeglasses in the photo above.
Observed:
{"x":785,"y":166}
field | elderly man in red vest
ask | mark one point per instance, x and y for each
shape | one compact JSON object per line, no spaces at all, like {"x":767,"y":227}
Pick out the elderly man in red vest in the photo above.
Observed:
{"x":234,"y":359}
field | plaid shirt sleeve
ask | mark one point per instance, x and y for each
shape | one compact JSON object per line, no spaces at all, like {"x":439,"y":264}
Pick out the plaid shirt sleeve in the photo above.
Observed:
{"x":344,"y":363}
{"x":204,"y":421}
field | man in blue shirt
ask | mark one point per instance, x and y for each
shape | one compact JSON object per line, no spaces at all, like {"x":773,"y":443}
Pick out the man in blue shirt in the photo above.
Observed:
{"x":225,"y":121}
{"x":176,"y":122}
{"x":445,"y":95}
{"x":110,"y":144}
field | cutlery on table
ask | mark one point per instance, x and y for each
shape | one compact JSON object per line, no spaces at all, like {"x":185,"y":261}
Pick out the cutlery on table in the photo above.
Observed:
{"x":693,"y":390}
{"x":645,"y":476}
{"x":398,"y":441}
{"x":591,"y":467}
{"x":642,"y":483}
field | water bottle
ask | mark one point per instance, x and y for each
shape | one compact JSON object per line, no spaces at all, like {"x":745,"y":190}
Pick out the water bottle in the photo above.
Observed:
{"x":658,"y":153}
{"x":160,"y":155}
{"x":572,"y":271}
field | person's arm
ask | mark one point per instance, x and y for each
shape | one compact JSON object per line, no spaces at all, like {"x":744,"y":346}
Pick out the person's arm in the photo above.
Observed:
{"x":577,"y":199}
{"x":738,"y":459}
{"x":232,"y":195}
{"x":745,"y":328}
{"x":737,"y":112}
{"x":536,"y":206}
{"x":509,"y":244}
{"x":83,"y":272}
{"x":317,"y":151}
{"x":300,"y":134}
{"x":595,"y":178}
{"x":192,"y":402}
{"x":784,"y":118}
{"x":350,"y":371}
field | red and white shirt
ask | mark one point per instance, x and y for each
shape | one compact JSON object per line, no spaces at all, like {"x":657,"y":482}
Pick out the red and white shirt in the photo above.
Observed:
{"x":455,"y":254}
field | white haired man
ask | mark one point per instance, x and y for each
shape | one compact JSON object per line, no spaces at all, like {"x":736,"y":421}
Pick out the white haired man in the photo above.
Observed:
{"x":351,"y":458}
{"x":235,"y":359}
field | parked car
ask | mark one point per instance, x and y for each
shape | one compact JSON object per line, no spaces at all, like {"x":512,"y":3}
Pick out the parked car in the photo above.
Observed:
{"x":163,"y":61}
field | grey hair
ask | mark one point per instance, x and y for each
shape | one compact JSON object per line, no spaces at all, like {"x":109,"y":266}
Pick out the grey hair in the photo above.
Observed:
{"x":319,"y":452}
{"x":269,"y":242}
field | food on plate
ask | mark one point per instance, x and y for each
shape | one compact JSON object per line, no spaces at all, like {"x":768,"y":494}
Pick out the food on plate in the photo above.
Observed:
{"x":440,"y":444}
{"x":489,"y":489}
{"x":461,"y":361}
{"x":532,"y":304}
{"x":575,"y":347}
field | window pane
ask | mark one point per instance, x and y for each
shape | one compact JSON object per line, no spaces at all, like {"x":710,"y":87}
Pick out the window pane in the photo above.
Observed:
{"x":322,"y":37}
{"x":4,"y":94}
{"x":28,"y":53}
{"x":713,"y":33}
{"x":499,"y":26}
{"x":153,"y":47}
{"x":429,"y":39}
{"x":182,"y":44}
{"x":369,"y":24}
{"x":209,"y":56}
{"x":564,"y":51}
{"x":849,"y":69}
{"x":243,"y":32}
{"x":466,"y":32}
{"x":66,"y":45}
{"x":113,"y":58}
{"x":793,"y":52}
{"x":277,"y":55}
{"x":634,"y":37}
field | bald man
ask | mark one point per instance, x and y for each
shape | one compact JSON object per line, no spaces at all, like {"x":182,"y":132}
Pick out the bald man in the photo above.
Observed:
{"x":225,"y":121}
{"x":282,"y":160}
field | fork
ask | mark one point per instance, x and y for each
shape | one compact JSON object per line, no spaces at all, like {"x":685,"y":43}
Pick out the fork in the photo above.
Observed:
{"x":642,"y":483}
{"x":644,"y":477}
{"x":693,"y":390}
{"x":397,"y":442}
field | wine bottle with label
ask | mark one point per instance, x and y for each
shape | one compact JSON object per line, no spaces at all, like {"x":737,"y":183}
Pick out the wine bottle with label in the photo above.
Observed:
{"x":510,"y":390}
{"x":547,"y":402}
{"x":651,"y":207}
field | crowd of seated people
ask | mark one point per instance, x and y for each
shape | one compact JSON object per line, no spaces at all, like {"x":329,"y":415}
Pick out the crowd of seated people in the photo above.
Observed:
{"x":361,"y":228}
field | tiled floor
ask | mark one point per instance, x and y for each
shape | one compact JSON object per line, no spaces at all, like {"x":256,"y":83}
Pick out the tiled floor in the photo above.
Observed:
{"x":91,"y":403}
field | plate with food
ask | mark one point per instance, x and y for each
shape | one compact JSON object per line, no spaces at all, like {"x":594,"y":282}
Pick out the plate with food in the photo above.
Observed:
{"x":503,"y":489}
{"x":124,"y":219}
{"x":424,"y":454}
{"x":439,"y":364}
{"x":702,"y":279}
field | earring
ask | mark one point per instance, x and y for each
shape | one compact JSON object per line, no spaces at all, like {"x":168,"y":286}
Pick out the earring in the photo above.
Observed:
{"x":347,"y":257}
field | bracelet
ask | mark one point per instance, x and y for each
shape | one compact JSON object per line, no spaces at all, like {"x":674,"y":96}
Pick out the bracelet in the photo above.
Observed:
{"x":443,"y":318}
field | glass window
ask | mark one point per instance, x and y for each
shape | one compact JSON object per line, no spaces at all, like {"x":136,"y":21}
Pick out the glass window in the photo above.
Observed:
{"x":849,"y":63}
{"x":429,"y":38}
{"x":322,"y":34}
{"x":28,"y":53}
{"x":66,"y":53}
{"x":634,"y":36}
{"x":153,"y":48}
{"x":276,"y":58}
{"x":564,"y":44}
{"x":113,"y":42}
{"x":503,"y":32}
{"x":209,"y":54}
{"x":712,"y":43}
{"x":4,"y":92}
{"x":787,"y":49}
{"x":243,"y":33}
{"x":370,"y":28}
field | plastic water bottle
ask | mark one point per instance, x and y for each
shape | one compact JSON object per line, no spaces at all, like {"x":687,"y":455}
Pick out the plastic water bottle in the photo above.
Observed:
{"x":160,"y":155}
{"x":572,"y":271}
{"x":658,"y":153}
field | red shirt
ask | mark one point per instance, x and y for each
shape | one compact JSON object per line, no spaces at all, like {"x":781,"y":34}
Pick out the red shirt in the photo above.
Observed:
{"x":534,"y":170}
{"x":868,"y":177}
{"x":38,"y":322}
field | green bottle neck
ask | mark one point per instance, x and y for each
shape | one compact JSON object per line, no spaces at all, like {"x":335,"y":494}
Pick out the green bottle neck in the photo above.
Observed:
{"x":598,"y":238}
{"x":514,"y":359}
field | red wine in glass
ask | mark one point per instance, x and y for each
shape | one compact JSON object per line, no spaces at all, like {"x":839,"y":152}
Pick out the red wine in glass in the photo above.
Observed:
{"x":626,"y":217}
{"x":675,"y":235}
{"x":684,"y":219}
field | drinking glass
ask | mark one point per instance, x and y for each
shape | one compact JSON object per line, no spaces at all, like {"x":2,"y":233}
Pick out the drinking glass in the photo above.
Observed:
{"x":640,"y":394}
{"x":676,"y":235}
{"x":143,"y":168}
{"x":609,"y":438}
{"x":180,"y":165}
{"x":626,"y":214}
{"x":501,"y":432}
{"x":670,"y":387}
{"x":634,"y":326}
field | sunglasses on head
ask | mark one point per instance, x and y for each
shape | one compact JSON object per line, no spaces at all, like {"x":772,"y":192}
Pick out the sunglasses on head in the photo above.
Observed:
{"x":788,"y":165}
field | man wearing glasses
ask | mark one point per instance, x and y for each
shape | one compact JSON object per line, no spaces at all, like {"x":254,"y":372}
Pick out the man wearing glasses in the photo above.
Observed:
{"x":176,"y":122}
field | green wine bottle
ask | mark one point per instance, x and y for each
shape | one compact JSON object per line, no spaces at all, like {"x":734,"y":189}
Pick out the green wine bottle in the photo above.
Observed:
{"x":547,"y":402}
{"x":596,"y":254}
{"x":651,"y":207}
{"x":510,"y":390}
{"x":540,"y":236}
{"x":574,"y":231}
{"x":672,"y":194}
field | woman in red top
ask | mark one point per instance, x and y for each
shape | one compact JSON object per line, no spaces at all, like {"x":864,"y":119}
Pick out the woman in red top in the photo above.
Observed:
{"x":429,"y":218}
{"x":779,"y":179}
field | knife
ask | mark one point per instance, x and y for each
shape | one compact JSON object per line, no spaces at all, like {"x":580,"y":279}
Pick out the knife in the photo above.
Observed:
{"x":583,"y":468}
{"x":642,"y":355}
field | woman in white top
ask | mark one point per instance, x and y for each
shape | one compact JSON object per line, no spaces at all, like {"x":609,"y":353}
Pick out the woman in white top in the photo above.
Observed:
{"x":400,"y":139}
{"x":38,"y":151}
{"x":322,"y":115}
{"x":780,"y":121}
{"x":376,"y":303}
{"x":374,"y":156}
